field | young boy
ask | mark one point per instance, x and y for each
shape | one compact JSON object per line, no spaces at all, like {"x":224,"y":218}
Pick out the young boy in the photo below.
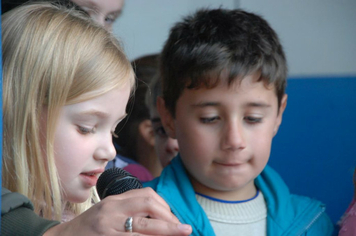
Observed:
{"x":223,"y":77}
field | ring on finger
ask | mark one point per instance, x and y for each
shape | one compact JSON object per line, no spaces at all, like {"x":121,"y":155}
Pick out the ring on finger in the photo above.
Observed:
{"x":128,"y":224}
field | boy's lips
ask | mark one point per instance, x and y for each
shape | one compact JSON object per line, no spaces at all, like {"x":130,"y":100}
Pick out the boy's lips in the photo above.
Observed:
{"x":229,"y":163}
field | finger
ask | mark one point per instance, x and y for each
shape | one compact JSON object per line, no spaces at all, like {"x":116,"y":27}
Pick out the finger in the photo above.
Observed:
{"x":149,"y":226}
{"x":143,"y":204}
{"x":146,"y":192}
{"x":146,"y":207}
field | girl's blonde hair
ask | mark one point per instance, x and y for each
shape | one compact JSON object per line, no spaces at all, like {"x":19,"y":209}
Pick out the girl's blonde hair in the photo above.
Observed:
{"x":52,"y":56}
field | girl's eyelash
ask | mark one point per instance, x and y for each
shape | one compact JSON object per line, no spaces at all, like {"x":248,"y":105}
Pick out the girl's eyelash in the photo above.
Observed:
{"x":84,"y":130}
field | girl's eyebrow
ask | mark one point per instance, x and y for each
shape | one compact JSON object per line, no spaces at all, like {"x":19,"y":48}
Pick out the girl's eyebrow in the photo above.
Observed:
{"x":95,"y":113}
{"x":100,"y":114}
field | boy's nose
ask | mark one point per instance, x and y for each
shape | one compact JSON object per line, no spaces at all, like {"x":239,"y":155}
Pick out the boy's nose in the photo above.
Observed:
{"x":233,"y":137}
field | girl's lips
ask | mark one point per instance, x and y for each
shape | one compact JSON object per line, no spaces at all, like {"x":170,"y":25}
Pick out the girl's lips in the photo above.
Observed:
{"x":89,"y":179}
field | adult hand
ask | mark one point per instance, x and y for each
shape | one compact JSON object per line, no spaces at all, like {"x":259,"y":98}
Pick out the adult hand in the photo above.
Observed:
{"x":151,"y":216}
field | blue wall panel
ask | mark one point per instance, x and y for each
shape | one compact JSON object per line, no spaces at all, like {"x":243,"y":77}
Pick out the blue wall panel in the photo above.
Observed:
{"x":315,"y":148}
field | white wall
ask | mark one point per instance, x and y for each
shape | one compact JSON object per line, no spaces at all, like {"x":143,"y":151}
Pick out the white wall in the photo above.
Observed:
{"x":144,"y":24}
{"x":319,"y":36}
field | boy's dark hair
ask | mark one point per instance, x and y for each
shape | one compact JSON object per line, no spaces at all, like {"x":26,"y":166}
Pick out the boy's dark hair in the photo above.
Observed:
{"x":145,"y":67}
{"x":212,"y":45}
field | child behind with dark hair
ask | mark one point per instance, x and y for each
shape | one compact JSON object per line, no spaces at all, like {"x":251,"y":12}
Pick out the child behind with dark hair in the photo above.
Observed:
{"x":224,"y":76}
{"x":136,"y":139}
{"x":166,"y":147}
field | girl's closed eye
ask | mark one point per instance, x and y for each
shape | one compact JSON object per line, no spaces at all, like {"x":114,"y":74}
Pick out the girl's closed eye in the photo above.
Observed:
{"x":85,"y":130}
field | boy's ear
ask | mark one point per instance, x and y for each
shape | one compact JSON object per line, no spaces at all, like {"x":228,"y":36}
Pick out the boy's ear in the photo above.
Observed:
{"x":166,"y":117}
{"x":282,"y":107}
{"x":146,"y":131}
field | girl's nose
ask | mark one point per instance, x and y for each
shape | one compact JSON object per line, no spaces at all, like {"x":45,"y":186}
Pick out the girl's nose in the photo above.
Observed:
{"x":106,"y":150}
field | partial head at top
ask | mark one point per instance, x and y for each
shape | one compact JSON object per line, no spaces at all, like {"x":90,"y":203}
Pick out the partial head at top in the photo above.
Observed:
{"x":217,"y":45}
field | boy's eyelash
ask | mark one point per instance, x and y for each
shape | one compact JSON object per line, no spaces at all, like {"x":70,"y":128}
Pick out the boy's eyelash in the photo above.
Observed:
{"x":253,"y":120}
{"x":207,"y":120}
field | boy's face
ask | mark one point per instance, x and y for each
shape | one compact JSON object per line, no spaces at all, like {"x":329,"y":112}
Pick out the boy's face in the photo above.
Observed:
{"x":225,"y":135}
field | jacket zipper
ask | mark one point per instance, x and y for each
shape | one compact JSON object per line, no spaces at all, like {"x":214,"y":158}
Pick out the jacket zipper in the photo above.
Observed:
{"x":313,"y":221}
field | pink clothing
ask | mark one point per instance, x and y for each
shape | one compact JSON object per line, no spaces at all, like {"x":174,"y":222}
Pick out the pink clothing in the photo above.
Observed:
{"x":348,"y":223}
{"x":139,"y":171}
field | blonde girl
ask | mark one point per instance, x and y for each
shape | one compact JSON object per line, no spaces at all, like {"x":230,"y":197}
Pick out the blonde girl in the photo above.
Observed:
{"x":66,"y":82}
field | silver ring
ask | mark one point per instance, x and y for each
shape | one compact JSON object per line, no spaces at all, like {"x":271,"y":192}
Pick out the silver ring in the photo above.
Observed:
{"x":128,"y":224}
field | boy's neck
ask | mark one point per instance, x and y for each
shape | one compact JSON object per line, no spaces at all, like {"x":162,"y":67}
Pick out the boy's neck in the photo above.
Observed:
{"x":240,"y":194}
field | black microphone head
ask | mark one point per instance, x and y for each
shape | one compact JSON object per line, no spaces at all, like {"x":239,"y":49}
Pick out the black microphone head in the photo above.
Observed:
{"x":115,"y":181}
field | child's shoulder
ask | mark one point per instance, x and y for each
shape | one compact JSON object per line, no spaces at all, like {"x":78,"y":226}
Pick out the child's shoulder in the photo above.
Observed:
{"x":292,"y":211}
{"x":276,"y":191}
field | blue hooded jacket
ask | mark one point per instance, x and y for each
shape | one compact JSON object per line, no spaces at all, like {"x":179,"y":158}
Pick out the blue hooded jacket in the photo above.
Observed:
{"x":287,"y":214}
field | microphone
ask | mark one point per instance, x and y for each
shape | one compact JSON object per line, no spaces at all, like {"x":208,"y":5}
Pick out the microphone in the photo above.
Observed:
{"x":116,"y":181}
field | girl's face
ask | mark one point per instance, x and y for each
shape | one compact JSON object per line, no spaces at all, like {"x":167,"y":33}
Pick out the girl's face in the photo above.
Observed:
{"x":83,"y":141}
{"x":104,"y":12}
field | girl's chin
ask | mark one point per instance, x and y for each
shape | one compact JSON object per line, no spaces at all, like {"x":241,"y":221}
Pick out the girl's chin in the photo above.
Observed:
{"x":77,"y":198}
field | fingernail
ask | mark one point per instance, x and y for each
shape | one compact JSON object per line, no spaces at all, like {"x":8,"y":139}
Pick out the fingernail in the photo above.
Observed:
{"x":185,"y":228}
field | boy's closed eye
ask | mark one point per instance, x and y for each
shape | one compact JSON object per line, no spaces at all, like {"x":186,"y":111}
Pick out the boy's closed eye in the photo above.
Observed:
{"x":208,"y":120}
{"x":252,"y":119}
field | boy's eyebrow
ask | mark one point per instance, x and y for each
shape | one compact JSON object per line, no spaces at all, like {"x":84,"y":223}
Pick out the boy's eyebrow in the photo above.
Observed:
{"x":205,"y":104}
{"x":257,"y":104}
{"x":250,"y":104}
